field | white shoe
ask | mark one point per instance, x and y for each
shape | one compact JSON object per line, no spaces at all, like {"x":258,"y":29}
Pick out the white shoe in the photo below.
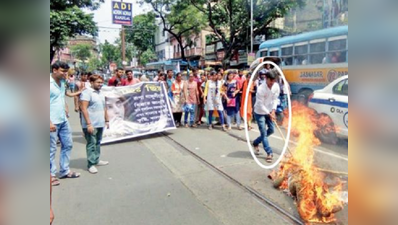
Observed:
{"x":93,"y":170}
{"x":102,"y":163}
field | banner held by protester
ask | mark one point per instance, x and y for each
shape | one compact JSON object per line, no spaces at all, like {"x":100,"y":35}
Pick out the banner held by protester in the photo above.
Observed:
{"x":137,"y":110}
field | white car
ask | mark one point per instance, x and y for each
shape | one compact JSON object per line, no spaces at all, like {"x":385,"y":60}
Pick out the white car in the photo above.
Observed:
{"x":332,"y":101}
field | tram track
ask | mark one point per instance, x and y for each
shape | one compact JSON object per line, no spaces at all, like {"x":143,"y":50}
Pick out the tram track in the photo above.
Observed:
{"x":266,"y":202}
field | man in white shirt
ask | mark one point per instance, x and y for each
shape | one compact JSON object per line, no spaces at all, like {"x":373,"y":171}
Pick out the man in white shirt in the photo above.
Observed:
{"x":264,"y":111}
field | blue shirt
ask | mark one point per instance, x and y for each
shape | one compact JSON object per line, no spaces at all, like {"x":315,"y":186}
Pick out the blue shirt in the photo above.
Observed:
{"x":57,"y":102}
{"x":95,"y":109}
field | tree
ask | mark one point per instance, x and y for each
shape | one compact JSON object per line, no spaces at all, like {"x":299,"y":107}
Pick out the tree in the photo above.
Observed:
{"x":183,"y":22}
{"x":147,"y":56}
{"x":230,"y":19}
{"x":142,"y":33}
{"x":110,"y":53}
{"x":81,"y":51}
{"x":94,"y":64}
{"x":67,"y":20}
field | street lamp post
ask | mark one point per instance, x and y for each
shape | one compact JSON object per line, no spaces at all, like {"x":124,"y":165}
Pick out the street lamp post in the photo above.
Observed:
{"x":251,"y":26}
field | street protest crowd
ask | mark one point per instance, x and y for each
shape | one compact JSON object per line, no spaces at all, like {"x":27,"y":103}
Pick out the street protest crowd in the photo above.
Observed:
{"x":218,"y":96}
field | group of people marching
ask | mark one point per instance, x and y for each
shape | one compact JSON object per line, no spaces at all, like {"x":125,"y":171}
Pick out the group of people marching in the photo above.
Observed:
{"x":214,"y":94}
{"x":211,"y":93}
{"x":223,"y":96}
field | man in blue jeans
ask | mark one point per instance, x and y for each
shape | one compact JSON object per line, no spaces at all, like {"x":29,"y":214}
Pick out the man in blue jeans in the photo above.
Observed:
{"x":264,"y":111}
{"x":59,"y":125}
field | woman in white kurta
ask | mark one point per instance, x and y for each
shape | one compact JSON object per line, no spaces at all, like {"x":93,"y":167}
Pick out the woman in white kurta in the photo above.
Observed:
{"x":212,"y":99}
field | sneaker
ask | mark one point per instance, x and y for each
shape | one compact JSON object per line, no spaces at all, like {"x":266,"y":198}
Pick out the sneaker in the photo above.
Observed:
{"x":210,"y":127}
{"x":93,"y":170}
{"x":102,"y":163}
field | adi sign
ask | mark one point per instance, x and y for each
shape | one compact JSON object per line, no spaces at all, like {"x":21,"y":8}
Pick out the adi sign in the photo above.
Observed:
{"x":122,"y":13}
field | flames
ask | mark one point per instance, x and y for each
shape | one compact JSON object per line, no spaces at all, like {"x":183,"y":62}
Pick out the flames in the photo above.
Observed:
{"x":297,"y":175}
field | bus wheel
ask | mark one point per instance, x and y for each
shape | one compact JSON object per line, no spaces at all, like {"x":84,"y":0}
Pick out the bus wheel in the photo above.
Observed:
{"x":303,"y":95}
{"x":326,"y":132}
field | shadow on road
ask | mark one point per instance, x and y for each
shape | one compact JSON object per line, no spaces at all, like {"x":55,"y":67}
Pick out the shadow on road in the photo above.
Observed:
{"x":240,"y":154}
{"x":80,"y":163}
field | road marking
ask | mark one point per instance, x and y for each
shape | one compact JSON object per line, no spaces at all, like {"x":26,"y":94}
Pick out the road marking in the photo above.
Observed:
{"x":316,"y":149}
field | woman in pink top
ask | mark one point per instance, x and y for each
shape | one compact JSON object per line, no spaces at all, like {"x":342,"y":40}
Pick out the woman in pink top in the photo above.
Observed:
{"x":191,"y":100}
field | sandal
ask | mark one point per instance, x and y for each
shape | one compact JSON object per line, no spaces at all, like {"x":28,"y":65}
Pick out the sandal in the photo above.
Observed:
{"x":256,"y":150}
{"x":269,"y":158}
{"x":250,"y":128}
{"x":71,"y":175}
{"x":55,"y":181}
{"x":194,"y":126}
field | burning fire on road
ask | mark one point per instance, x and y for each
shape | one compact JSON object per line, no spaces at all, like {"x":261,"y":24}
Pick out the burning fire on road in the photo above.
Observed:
{"x":317,"y":200}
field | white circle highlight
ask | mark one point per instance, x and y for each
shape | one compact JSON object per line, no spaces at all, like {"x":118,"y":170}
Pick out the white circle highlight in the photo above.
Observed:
{"x":245,"y":117}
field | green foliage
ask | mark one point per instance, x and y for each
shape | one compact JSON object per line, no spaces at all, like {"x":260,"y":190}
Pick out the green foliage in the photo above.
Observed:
{"x":94,"y":64}
{"x":67,"y":19}
{"x":147,"y":56}
{"x":183,"y":22}
{"x":81,"y":51}
{"x":230,"y":19}
{"x":142,"y":33}
{"x":110,"y":53}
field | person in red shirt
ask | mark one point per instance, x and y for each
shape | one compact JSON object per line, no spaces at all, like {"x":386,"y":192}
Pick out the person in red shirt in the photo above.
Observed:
{"x":117,"y":79}
{"x":131,"y":80}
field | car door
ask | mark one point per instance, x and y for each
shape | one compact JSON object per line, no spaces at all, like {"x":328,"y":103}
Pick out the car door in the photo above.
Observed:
{"x":339,"y":109}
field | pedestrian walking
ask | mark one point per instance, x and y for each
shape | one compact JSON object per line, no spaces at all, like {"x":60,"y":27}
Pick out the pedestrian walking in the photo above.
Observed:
{"x":72,"y":81}
{"x":177,"y":89}
{"x":94,"y":120}
{"x":191,"y":101}
{"x":59,"y":124}
{"x":201,"y":107}
{"x":249,"y":114}
{"x":169,"y":82}
{"x":212,"y":99}
{"x":264,"y":112}
{"x":232,"y":90}
{"x":240,"y":79}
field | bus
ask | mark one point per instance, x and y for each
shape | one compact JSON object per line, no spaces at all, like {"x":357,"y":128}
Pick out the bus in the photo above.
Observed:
{"x":175,"y":65}
{"x":310,"y":60}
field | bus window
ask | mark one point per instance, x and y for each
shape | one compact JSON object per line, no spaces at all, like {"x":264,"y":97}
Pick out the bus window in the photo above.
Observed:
{"x":318,"y":53}
{"x":338,"y":50}
{"x":274,"y":53}
{"x":263,"y":53}
{"x":287,"y":55}
{"x":300,"y":54}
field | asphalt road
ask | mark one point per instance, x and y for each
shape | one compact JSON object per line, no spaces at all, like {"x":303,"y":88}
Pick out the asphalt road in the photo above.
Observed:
{"x":154,"y":180}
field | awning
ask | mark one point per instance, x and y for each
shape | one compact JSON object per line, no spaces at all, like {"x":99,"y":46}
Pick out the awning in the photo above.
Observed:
{"x":175,"y":61}
{"x":155,"y":63}
{"x":213,"y":63}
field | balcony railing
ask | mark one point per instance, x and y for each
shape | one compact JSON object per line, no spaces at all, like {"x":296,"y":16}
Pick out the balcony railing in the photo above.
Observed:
{"x":189,"y":52}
